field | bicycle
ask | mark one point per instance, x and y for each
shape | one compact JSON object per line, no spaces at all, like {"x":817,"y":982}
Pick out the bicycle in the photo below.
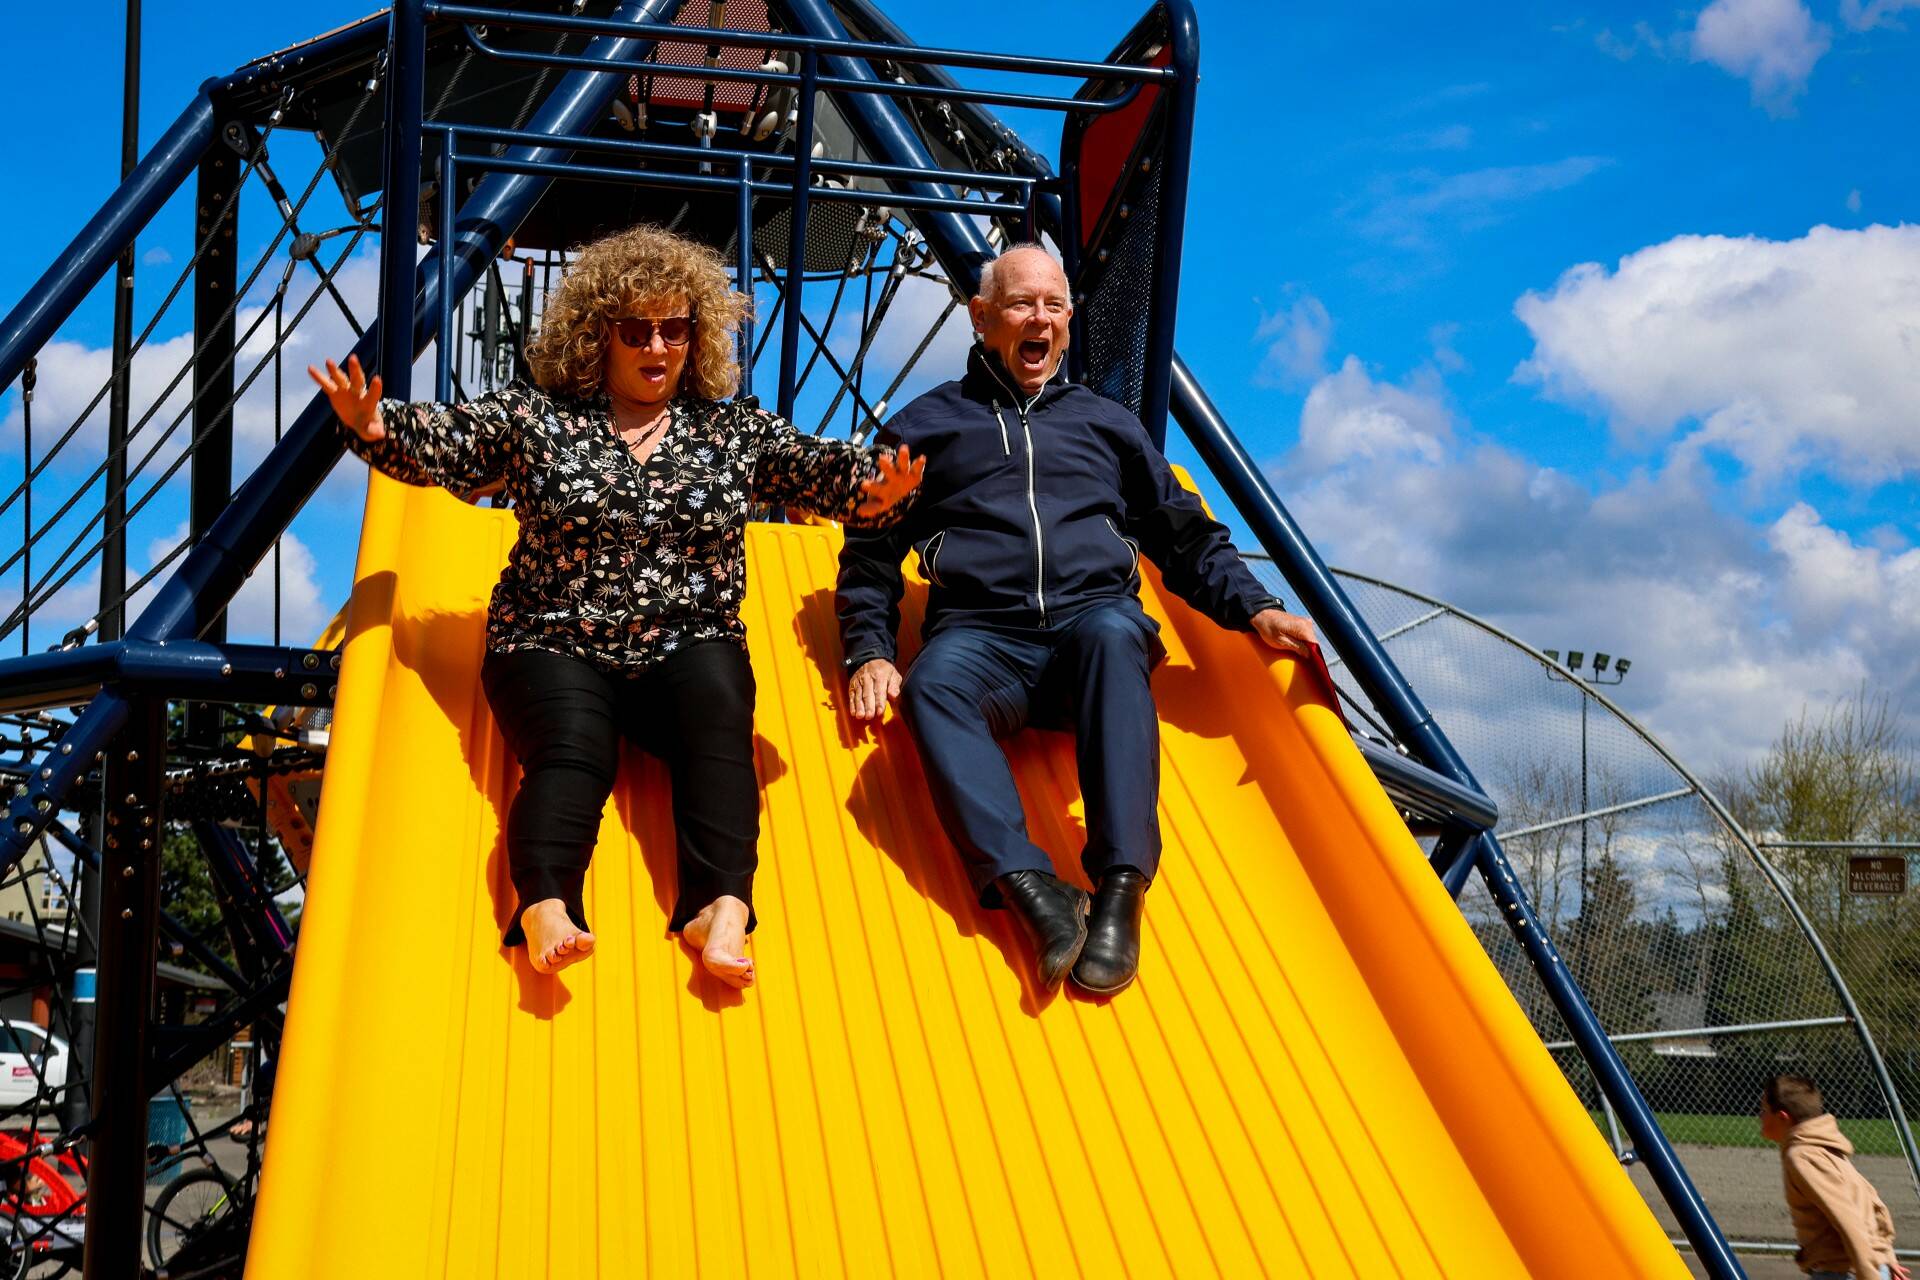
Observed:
{"x":202,"y":1216}
{"x":42,"y":1205}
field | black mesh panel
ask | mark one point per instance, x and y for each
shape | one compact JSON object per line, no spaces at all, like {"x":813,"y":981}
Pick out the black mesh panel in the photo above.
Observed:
{"x":1115,"y":314}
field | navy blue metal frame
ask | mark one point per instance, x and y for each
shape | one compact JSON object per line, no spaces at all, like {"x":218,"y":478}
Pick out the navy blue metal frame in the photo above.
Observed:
{"x":183,"y":608}
{"x":400,"y":194}
{"x":217,"y":215}
{"x":53,"y":297}
{"x":1321,"y":595}
{"x":1183,"y":35}
{"x":132,"y":778}
{"x":175,"y":932}
{"x":796,"y":282}
{"x":1341,"y":623}
{"x":886,"y":88}
{"x":161,"y":656}
{"x":840,"y":45}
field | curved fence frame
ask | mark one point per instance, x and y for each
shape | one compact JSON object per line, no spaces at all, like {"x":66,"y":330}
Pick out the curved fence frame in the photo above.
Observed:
{"x":1695,"y":787}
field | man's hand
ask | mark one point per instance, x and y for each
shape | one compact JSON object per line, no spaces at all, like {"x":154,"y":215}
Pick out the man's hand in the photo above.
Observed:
{"x":1901,"y":1273}
{"x":1285,"y":631}
{"x":874,"y":685}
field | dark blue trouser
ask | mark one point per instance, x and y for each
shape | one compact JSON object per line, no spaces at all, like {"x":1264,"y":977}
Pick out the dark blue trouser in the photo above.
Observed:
{"x":972,"y":685}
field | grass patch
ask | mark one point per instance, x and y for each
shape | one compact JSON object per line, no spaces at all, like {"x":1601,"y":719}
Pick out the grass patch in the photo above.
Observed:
{"x":1871,"y":1137}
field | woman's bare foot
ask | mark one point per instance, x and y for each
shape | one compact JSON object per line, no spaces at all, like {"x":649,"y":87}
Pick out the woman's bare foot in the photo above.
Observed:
{"x":554,"y":941}
{"x":719,"y":934}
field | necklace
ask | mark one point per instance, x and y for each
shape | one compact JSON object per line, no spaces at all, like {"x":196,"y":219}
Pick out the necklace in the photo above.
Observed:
{"x":640,"y":437}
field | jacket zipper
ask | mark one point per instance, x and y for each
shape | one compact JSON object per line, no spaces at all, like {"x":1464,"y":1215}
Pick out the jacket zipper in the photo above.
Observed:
{"x":1039,"y":543}
{"x":1033,"y":506}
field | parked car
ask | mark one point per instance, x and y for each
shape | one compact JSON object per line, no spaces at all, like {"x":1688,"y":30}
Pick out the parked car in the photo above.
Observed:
{"x":29,"y":1055}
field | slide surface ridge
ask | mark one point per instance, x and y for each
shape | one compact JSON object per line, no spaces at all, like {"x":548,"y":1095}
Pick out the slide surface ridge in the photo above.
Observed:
{"x":1318,"y":1073}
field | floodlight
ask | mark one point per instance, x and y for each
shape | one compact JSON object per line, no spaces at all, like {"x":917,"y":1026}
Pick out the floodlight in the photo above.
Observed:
{"x":1574,"y":657}
{"x":1600,"y":661}
{"x":1620,"y":667}
{"x":1553,"y":655}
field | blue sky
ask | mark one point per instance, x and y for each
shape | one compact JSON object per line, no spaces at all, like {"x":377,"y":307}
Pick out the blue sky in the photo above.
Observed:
{"x":1597,"y":320}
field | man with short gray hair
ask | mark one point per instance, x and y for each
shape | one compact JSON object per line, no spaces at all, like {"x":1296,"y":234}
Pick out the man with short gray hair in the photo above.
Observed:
{"x":1039,"y":499}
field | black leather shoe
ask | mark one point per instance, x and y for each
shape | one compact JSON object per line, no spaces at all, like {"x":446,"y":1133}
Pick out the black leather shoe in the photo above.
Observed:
{"x":1054,"y":914}
{"x":1112,"y":954}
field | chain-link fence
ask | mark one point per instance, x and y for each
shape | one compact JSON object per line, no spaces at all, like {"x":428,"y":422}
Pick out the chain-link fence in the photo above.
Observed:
{"x":1711,"y":962}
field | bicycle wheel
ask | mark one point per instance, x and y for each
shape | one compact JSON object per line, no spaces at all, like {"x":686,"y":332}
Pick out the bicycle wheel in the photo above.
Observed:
{"x":191,"y":1205}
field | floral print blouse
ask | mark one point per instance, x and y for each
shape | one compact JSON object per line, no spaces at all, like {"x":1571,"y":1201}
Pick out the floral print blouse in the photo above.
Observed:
{"x":620,"y":562}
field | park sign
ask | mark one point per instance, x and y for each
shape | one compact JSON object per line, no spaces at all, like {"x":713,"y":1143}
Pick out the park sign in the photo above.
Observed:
{"x":1878,"y":874}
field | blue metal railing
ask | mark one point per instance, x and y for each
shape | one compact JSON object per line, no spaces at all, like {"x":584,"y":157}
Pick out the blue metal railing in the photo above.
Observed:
{"x":210,"y":573}
{"x":62,"y":287}
{"x":471,"y":235}
{"x":926,"y":184}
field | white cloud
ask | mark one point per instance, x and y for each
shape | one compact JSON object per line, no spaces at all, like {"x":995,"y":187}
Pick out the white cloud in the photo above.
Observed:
{"x":303,"y":612}
{"x":1781,"y":353}
{"x":1873,"y":13}
{"x":1833,"y":582}
{"x":1732,"y":626}
{"x":70,"y":373}
{"x":1349,"y":416}
{"x":1452,"y":137}
{"x":918,"y":304}
{"x":1642,"y":38}
{"x":1771,"y":44}
{"x":1296,"y":339}
{"x":1853,"y":200}
{"x":1411,"y":208}
{"x":1445,"y":356}
{"x":158,"y":256}
{"x":71,"y":605}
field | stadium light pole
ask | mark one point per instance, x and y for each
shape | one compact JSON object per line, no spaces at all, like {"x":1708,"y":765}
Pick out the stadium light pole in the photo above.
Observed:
{"x":1600,"y":676}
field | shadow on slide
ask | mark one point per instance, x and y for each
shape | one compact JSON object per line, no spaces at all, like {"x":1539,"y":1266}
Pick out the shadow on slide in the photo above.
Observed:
{"x":1319,"y":1073}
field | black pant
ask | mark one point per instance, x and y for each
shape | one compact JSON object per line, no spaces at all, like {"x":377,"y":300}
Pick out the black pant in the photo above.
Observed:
{"x":972,"y":685}
{"x":564,"y":718}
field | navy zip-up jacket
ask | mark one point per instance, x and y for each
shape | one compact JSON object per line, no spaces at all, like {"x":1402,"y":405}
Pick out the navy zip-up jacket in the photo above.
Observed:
{"x":1031,"y":509}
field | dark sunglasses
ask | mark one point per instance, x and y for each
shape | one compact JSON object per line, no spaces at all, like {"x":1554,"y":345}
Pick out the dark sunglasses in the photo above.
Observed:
{"x":638,"y":331}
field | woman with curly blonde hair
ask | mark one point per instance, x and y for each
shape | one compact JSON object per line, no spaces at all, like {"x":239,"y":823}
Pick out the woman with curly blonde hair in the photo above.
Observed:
{"x":619,"y":609}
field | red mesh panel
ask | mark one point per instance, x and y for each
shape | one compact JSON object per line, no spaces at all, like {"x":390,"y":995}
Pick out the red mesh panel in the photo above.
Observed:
{"x":690,"y":91}
{"x":1106,"y":146}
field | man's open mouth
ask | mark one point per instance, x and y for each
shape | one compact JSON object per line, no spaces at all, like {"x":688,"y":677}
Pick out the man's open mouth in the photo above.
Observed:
{"x":1034,"y":351}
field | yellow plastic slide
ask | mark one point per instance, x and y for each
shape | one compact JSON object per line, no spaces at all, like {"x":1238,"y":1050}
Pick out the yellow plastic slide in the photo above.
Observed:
{"x":1319,"y":1073}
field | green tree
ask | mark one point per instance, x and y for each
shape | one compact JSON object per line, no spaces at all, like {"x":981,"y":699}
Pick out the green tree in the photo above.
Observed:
{"x":1613,"y":948}
{"x":187,"y":888}
{"x":1849,"y":775}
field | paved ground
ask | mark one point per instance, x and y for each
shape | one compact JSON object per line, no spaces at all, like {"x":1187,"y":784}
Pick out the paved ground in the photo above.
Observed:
{"x":1758,"y":1267}
{"x":1742,"y":1186}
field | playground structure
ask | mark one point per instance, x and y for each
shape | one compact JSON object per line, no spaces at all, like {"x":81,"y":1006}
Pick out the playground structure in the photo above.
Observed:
{"x":814,"y":145}
{"x":1710,"y":956}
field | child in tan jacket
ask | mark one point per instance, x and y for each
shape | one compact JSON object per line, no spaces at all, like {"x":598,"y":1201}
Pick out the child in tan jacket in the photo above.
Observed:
{"x":1843,"y":1227}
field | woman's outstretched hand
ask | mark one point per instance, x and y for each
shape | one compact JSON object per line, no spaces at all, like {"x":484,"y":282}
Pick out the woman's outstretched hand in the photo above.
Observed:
{"x":899,"y":476}
{"x":356,"y":400}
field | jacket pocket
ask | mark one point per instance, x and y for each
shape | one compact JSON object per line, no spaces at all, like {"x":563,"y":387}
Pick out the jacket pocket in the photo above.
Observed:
{"x":1133,"y":548}
{"x":930,"y":558}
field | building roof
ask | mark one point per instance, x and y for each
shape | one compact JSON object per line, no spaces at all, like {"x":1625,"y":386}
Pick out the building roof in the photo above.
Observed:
{"x":22,"y":931}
